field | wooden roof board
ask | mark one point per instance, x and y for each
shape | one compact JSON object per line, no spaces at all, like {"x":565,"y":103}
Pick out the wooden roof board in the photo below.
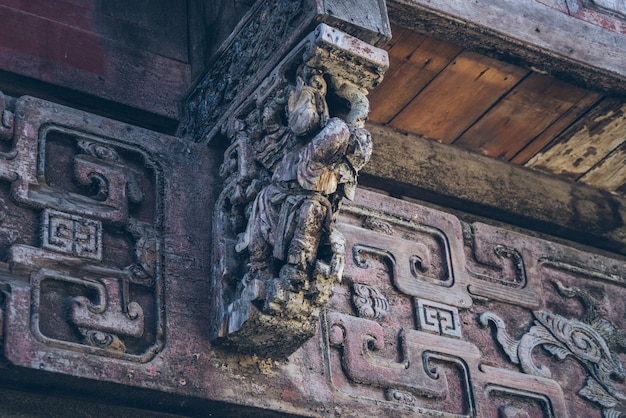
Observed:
{"x":524,"y":31}
{"x":610,"y":173}
{"x":527,"y":110}
{"x":415,"y":70}
{"x":575,"y":112}
{"x":458,"y":96}
{"x":586,"y":143}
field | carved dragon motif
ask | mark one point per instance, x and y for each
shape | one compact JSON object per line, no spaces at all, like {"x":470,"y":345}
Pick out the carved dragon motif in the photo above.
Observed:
{"x":592,"y":341}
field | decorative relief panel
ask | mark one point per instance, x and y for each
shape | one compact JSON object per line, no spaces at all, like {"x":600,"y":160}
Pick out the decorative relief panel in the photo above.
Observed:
{"x":86,"y":205}
{"x":412,"y":350}
{"x":391,"y":357}
{"x":593,"y":341}
{"x":99,"y":311}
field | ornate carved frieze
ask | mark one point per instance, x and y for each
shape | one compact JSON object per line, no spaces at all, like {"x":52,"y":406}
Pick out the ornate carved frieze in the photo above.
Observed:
{"x":86,"y":207}
{"x":410,"y":357}
{"x":430,"y":353}
{"x":296,"y":149}
{"x":592,"y":340}
{"x":82,"y":275}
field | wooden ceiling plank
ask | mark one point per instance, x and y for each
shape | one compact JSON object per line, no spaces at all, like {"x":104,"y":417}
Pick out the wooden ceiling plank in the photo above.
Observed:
{"x":458,"y":96}
{"x":555,"y":129}
{"x":400,"y":48}
{"x":410,"y":77}
{"x":521,"y":115}
{"x":586,"y":143}
{"x":610,"y":173}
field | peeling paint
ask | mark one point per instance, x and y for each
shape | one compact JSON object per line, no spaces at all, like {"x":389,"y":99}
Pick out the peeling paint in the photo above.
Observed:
{"x":586,"y":148}
{"x":610,"y":174}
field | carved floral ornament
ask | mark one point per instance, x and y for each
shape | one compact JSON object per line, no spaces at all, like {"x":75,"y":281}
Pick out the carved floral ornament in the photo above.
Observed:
{"x":296,"y":149}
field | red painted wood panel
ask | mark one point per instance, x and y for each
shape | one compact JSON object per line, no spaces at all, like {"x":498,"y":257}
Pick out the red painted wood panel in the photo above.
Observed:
{"x":75,"y":57}
{"x":75,"y":13}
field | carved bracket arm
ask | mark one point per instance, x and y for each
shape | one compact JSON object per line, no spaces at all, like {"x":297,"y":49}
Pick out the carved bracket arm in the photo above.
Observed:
{"x":297,"y":145}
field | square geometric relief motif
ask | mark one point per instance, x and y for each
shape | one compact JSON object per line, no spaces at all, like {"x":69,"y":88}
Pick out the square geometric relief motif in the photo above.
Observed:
{"x":438,"y":318}
{"x":72,"y":234}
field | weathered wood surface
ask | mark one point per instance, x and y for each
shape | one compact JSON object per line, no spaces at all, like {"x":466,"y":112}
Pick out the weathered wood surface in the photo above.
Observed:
{"x":459,"y":96}
{"x":427,"y":170}
{"x":552,"y":131}
{"x":610,"y":173}
{"x":610,"y":14}
{"x":586,"y":143}
{"x":414,"y":61}
{"x":364,"y":19}
{"x":526,"y":31}
{"x":525,"y":112}
{"x":439,"y":91}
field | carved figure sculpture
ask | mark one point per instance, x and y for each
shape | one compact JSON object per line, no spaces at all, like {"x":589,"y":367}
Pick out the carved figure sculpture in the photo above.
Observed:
{"x":297,"y":144}
{"x":291,"y":219}
{"x":287,"y":171}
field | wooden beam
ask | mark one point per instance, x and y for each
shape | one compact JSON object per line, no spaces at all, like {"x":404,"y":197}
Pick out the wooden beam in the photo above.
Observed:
{"x":423,"y":169}
{"x":74,"y":55}
{"x":526,"y":33}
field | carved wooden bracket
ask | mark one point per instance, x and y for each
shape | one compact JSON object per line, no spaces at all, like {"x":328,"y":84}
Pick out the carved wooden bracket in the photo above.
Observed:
{"x":270,"y":31}
{"x":297,"y":145}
